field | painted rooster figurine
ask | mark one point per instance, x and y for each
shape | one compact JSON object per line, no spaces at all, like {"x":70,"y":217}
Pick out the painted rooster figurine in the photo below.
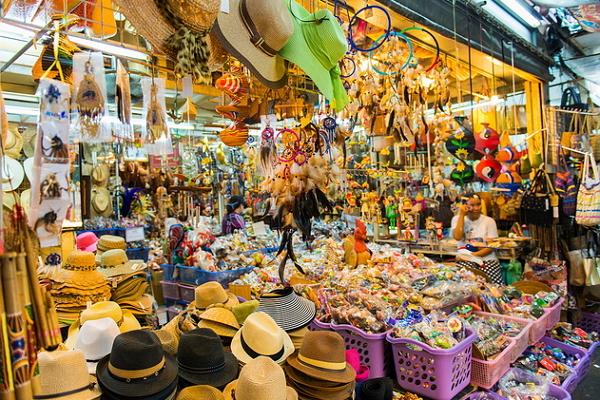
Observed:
{"x":356,"y":251}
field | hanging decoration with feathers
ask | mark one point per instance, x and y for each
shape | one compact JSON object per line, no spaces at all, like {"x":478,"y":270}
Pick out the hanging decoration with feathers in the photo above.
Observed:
{"x":123,"y":101}
{"x":157,"y":136}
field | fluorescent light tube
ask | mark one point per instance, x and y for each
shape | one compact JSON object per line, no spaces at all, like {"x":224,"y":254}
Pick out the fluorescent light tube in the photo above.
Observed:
{"x":108,"y":48}
{"x":522,"y":12}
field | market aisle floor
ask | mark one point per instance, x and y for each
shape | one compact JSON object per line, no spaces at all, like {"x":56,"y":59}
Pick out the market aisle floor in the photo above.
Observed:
{"x":590,"y":387}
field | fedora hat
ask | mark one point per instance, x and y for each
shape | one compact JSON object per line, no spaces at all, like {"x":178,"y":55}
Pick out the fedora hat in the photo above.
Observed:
{"x":210,"y":293}
{"x":64,"y":375}
{"x":290,"y":311}
{"x":317,"y":47}
{"x":260,"y":379}
{"x":102,"y":309}
{"x":100,"y":175}
{"x":176,"y":28}
{"x":96,"y":339}
{"x":377,"y":389}
{"x":261,"y":336}
{"x":254,"y":31}
{"x":323,"y":356}
{"x":200,"y":392}
{"x":115,"y":263}
{"x":87,"y":241}
{"x":137,"y":367}
{"x":203,"y":361}
{"x":305,"y":383}
{"x":101,"y":202}
{"x":12,"y":174}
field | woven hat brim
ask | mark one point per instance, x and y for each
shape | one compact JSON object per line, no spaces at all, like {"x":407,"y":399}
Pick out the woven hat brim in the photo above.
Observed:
{"x":318,"y":393}
{"x":88,"y":394}
{"x":200,"y":392}
{"x":232,"y":300}
{"x":291,"y":394}
{"x":289,"y":312}
{"x":150,"y":23}
{"x":123,"y":269}
{"x":219,"y":329}
{"x":243,"y":357}
{"x":233,"y":36}
{"x":217,"y":379}
{"x":345,"y":376}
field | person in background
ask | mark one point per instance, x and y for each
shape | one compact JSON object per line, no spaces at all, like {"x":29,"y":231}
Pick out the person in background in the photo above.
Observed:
{"x":470,"y":225}
{"x":233,"y":220}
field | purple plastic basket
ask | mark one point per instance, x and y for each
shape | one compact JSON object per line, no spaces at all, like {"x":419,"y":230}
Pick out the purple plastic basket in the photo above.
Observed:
{"x":434,"y":373}
{"x":590,"y":322}
{"x":187,"y":292}
{"x":483,"y":395}
{"x":559,"y":393}
{"x":170,"y":290}
{"x":582,"y":367}
{"x":372,"y":348}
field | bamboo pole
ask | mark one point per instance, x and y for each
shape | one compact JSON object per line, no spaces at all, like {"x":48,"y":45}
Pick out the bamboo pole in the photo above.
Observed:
{"x":7,"y":391}
{"x":32,"y":345}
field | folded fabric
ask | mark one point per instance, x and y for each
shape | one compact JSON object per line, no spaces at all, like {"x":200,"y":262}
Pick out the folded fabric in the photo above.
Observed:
{"x":362,"y":371}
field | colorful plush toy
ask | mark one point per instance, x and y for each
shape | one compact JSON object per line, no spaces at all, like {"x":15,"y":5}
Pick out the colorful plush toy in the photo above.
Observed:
{"x":356,"y":251}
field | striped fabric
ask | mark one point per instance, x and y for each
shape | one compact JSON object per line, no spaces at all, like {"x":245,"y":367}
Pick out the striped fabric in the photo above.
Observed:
{"x":289,"y":310}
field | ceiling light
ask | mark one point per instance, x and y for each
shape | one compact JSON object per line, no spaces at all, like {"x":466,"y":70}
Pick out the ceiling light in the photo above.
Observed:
{"x":108,"y":48}
{"x":20,"y":110}
{"x":522,"y":12}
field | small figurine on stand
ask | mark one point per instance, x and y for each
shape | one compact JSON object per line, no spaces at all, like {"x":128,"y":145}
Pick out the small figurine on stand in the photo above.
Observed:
{"x":391,"y":211}
{"x":356,"y":251}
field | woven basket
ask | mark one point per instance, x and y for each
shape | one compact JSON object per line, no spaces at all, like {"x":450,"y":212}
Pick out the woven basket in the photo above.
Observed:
{"x":532,"y":287}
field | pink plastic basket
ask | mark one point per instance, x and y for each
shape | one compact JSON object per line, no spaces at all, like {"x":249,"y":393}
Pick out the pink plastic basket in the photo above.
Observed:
{"x":552,"y":314}
{"x":434,"y":373}
{"x":521,"y":341}
{"x":537,"y":330}
{"x":170,"y":290}
{"x":485,"y":374}
{"x":372,"y":348}
{"x":590,"y":322}
{"x":187,"y":292}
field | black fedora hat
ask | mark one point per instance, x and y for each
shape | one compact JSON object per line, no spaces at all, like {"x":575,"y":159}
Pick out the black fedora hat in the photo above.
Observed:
{"x":377,"y":389}
{"x":290,"y":311}
{"x":166,"y":394}
{"x":203,"y":361}
{"x":137,"y":367}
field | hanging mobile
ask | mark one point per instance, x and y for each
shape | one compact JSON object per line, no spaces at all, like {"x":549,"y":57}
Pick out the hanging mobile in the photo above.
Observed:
{"x":90,"y":101}
{"x":330,"y":124}
{"x":156,"y":122}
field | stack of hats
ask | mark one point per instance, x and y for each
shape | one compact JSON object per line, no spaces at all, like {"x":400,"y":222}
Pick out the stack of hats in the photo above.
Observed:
{"x":105,"y":309}
{"x":137,"y":368}
{"x":109,"y":242}
{"x":77,"y":283}
{"x":261,"y":379}
{"x":319,"y":369}
{"x":101,"y":200}
{"x":222,"y":321}
{"x":261,"y":336}
{"x":64,"y":375}
{"x":202,"y":360}
{"x":291,"y":312}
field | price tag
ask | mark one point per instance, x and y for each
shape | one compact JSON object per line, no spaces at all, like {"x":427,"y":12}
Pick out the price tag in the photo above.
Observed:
{"x":134,"y":234}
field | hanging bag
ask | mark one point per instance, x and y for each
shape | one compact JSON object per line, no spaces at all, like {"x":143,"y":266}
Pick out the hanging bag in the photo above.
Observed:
{"x":591,"y":262}
{"x":588,"y":196}
{"x":564,"y":183}
{"x":537,"y":202}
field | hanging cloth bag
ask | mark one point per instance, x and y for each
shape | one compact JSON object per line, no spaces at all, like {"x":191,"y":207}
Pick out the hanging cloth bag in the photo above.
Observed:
{"x":564,"y":183}
{"x":538,"y":201}
{"x":588,"y":196}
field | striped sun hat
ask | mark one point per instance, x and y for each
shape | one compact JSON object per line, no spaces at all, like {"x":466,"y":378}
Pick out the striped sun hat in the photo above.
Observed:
{"x":289,"y":310}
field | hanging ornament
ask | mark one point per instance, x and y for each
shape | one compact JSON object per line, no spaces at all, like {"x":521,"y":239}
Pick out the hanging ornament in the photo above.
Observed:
{"x":488,"y":168}
{"x":156,"y":122}
{"x":90,"y":101}
{"x":462,"y":174}
{"x":486,"y":141}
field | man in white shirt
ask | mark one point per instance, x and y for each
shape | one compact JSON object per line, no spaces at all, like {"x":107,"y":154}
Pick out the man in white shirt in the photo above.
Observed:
{"x":470,"y":225}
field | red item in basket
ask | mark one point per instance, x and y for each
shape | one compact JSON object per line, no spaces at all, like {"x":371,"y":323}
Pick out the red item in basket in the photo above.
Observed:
{"x":581,"y":333}
{"x":548,"y":364}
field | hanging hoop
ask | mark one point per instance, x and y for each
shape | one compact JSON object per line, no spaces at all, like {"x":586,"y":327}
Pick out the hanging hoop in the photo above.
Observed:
{"x":343,"y":64}
{"x":437,"y":45}
{"x":377,"y":44}
{"x":406,"y":63}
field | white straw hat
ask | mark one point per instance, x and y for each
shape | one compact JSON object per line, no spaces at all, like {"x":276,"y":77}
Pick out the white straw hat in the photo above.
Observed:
{"x":95,"y":340}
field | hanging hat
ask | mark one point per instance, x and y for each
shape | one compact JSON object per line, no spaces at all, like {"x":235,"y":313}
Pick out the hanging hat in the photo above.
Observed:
{"x":200,"y":392}
{"x":96,"y":339}
{"x":317,"y":47}
{"x":87,"y":241}
{"x":289,"y":310}
{"x":137,"y":367}
{"x":100,"y":175}
{"x":28,"y":167}
{"x":26,"y":199}
{"x":377,"y":389}
{"x":13,"y":143}
{"x":102,"y":309}
{"x":323,"y":356}
{"x":177,"y":28}
{"x":64,"y":375}
{"x":261,"y":336}
{"x":115,"y":262}
{"x":260,"y":379}
{"x":9,"y":199}
{"x":203,"y":361}
{"x":210,"y":293}
{"x":29,"y":139}
{"x":253,"y":31}
{"x":101,"y":202}
{"x":12,"y":174}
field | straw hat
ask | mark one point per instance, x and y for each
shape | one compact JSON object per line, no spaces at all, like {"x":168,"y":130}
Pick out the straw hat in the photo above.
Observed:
{"x":222,"y":330}
{"x":260,"y":379}
{"x":55,"y":383}
{"x":109,"y":242}
{"x":87,"y":241}
{"x":26,"y":199}
{"x":115,"y":262}
{"x":28,"y":167}
{"x":210,"y":293}
{"x":13,"y":143}
{"x":101,"y":202}
{"x":254,"y":31}
{"x":323,"y":356}
{"x":100,"y":175}
{"x":260,"y":336}
{"x":290,"y":311}
{"x":79,"y":270}
{"x":141,"y":306}
{"x":243,"y":310}
{"x":200,"y":392}
{"x":169,"y":336}
{"x":12,"y":174}
{"x":96,"y":340}
{"x":29,"y":139}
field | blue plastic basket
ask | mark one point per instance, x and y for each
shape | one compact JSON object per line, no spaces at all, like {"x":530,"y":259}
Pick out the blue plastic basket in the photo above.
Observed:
{"x":169,"y":272}
{"x":265,"y":250}
{"x":140,"y":253}
{"x":198,"y":276}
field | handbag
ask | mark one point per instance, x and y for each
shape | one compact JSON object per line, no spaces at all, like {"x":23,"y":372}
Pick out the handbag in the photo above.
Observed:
{"x":577,"y":274}
{"x":564,"y":183}
{"x":591,"y":263}
{"x":538,"y":201}
{"x":588,"y":196}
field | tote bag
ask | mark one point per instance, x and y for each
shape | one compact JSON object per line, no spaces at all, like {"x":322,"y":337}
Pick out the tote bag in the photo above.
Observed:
{"x":588,"y":196}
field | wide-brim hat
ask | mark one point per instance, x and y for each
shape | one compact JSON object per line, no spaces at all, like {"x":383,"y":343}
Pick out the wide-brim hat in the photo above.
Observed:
{"x":127,"y":268}
{"x":341,"y":392}
{"x":200,"y":392}
{"x":100,"y":175}
{"x":228,"y":393}
{"x":28,"y":168}
{"x":290,"y":311}
{"x":101,"y":202}
{"x":314,"y":44}
{"x":304,"y":380}
{"x":12,"y":174}
{"x":220,"y":329}
{"x":210,"y":293}
{"x":29,"y":139}
{"x":13,"y":143}
{"x":261,"y":378}
{"x":261,"y":16}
